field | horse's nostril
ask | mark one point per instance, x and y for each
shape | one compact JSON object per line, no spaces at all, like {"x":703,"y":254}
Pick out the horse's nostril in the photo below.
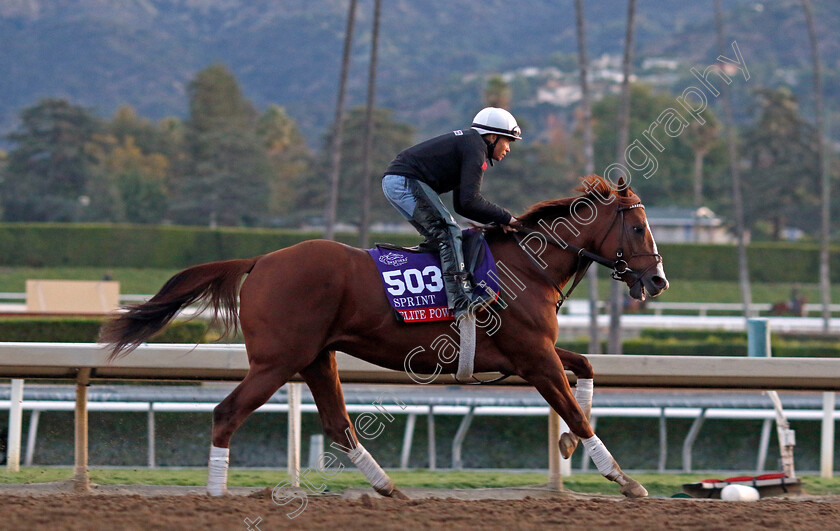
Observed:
{"x":660,"y":283}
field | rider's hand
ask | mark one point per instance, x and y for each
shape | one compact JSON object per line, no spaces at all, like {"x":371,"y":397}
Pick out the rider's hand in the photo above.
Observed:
{"x":512,"y":226}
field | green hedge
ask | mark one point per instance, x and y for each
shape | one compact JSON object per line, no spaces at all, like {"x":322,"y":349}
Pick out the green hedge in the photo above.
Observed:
{"x":43,"y":244}
{"x":769,"y":262}
{"x":51,"y":245}
{"x":86,"y":330}
{"x":692,"y":335}
{"x":715,"y":346}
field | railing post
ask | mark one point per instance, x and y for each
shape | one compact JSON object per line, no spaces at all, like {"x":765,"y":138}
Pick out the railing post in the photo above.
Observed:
{"x":758,"y":345}
{"x":758,"y":338}
{"x":458,"y":441}
{"x":81,"y":478}
{"x":688,"y":444}
{"x":555,"y":476}
{"x":827,"y":444}
{"x":431,"y":438}
{"x":293,"y":457}
{"x":33,"y":435}
{"x":15,"y":423}
{"x":150,"y":428}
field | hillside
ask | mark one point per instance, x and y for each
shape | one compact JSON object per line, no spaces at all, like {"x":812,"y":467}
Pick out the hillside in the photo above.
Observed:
{"x":102,"y":53}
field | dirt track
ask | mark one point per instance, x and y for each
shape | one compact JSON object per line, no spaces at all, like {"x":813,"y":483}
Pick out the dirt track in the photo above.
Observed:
{"x":153,"y":508}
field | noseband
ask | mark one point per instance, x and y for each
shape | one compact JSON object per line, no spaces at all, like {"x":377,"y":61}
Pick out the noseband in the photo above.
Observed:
{"x":619,"y":266}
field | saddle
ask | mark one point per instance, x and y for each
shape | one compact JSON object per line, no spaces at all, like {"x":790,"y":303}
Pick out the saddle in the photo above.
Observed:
{"x":472,"y":245}
{"x":413,"y":280}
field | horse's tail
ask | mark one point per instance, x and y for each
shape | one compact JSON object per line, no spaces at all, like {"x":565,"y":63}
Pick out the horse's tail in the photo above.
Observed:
{"x":215,"y":284}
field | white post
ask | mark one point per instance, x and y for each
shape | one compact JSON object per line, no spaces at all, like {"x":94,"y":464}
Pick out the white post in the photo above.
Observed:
{"x":293,"y":396}
{"x":431,"y":437}
{"x":827,"y":445}
{"x":150,"y":424}
{"x":555,"y":476}
{"x":316,"y":450}
{"x":33,"y":435}
{"x":81,"y":478}
{"x":408,"y":437}
{"x":565,"y":464}
{"x":15,"y":424}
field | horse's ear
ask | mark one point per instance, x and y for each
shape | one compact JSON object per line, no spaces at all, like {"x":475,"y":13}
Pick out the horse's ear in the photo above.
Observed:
{"x":622,"y":187}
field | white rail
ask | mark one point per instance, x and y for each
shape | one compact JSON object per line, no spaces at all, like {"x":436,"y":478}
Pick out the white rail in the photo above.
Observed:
{"x":83,"y":362}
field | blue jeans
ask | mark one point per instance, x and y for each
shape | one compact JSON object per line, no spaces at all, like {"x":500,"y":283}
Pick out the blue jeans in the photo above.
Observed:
{"x":397,"y":193}
{"x":422,"y":207}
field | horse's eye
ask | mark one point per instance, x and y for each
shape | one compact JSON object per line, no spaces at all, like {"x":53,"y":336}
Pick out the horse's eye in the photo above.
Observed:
{"x":638,"y":229}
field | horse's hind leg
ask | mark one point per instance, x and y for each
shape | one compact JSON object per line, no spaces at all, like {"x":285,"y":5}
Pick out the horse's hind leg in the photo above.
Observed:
{"x":254,"y":390}
{"x":581,"y":367}
{"x":550,"y":380}
{"x":322,"y":378}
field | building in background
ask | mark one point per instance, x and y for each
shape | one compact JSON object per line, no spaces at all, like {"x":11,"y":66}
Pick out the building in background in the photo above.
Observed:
{"x":688,"y":225}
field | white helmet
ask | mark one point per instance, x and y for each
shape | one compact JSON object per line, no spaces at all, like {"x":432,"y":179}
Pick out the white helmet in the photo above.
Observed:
{"x":493,"y":120}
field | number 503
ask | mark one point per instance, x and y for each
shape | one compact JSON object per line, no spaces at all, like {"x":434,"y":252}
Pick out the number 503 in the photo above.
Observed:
{"x":414,"y":280}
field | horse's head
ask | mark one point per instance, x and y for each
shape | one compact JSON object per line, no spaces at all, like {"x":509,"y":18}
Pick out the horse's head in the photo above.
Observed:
{"x":607,"y":225}
{"x":629,"y":240}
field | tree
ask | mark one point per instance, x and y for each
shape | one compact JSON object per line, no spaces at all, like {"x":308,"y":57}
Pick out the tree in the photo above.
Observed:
{"x":781,"y":148}
{"x":226,"y":172}
{"x":139,"y":181}
{"x":134,"y":169}
{"x":288,"y":155}
{"x":617,"y":294}
{"x":331,"y":206}
{"x":701,"y":139}
{"x":47,"y":171}
{"x":364,"y":223}
{"x":389,"y":138}
{"x":588,"y":165}
{"x":735,"y":177}
{"x":668,"y":184}
{"x":497,"y":93}
{"x":822,"y":159}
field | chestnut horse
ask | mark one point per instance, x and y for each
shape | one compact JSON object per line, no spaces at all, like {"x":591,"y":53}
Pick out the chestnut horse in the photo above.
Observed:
{"x":299,"y":305}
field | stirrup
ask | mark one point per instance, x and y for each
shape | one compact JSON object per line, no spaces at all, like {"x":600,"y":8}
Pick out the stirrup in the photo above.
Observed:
{"x":478,"y":300}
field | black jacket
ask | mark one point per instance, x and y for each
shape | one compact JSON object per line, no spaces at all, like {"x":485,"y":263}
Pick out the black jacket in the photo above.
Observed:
{"x":453,"y":161}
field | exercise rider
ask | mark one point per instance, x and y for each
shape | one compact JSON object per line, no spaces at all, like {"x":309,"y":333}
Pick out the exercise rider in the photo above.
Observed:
{"x":452,"y":162}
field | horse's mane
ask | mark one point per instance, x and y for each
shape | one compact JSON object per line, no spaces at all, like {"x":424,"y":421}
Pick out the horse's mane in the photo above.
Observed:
{"x":593,"y":187}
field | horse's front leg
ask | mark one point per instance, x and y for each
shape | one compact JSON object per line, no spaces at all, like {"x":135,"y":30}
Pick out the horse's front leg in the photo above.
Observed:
{"x":546,"y":374}
{"x":581,"y":367}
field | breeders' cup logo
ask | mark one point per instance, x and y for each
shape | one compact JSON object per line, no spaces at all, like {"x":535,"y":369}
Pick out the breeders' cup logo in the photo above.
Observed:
{"x":393,"y":259}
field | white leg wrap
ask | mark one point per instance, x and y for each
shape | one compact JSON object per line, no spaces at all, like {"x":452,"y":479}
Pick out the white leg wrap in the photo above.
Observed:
{"x":218,"y":470}
{"x":371,"y":469}
{"x":603,"y":459}
{"x":583,"y":394}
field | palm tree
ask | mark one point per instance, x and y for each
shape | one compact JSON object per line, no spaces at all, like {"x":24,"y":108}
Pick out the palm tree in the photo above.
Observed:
{"x":737,"y":198}
{"x":822,"y":160}
{"x":617,"y":292}
{"x":335,"y":147}
{"x":588,"y":168}
{"x":364,"y":224}
{"x":701,"y":139}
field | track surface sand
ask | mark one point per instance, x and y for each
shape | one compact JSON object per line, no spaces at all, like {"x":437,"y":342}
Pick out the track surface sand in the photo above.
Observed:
{"x":56,"y":507}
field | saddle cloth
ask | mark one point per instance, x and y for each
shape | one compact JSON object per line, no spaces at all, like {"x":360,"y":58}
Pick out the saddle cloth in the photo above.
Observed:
{"x":413,"y":280}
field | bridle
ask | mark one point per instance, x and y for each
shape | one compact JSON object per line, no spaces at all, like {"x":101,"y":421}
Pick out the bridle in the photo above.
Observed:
{"x":620,"y":268}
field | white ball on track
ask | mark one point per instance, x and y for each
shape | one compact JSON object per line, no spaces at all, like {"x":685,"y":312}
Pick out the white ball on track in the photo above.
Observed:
{"x":739,"y":493}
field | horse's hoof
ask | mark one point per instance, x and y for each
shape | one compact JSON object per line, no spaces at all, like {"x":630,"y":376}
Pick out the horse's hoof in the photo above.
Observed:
{"x":568,"y":443}
{"x":390,"y":491}
{"x":398,"y":494}
{"x":634,"y":489}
